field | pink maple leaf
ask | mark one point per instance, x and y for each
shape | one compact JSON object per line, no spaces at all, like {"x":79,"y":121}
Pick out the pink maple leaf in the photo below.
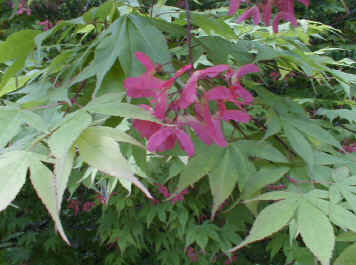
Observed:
{"x":253,"y":12}
{"x":285,"y":16}
{"x":166,"y":137}
{"x":189,"y":94}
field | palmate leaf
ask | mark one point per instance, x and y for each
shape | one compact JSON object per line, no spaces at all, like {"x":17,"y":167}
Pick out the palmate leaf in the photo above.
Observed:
{"x":223,"y":177}
{"x":129,"y":34}
{"x":64,"y":137}
{"x":311,"y":128}
{"x":62,"y":169}
{"x":14,"y":167}
{"x":199,"y":166}
{"x":125,"y":110}
{"x":43,"y":181}
{"x":274,"y":124}
{"x":270,"y":220}
{"x":113,"y":133}
{"x":17,"y":47}
{"x":265,"y":176}
{"x":316,"y":231}
{"x":342,"y":217}
{"x":347,"y":114}
{"x":213,"y":26}
{"x":103,"y":153}
{"x":262,"y":150}
{"x":11,"y":120}
{"x":299,"y":143}
{"x":344,"y":187}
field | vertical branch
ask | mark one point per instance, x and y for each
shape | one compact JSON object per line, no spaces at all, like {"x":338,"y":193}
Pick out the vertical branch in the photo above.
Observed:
{"x":189,"y":31}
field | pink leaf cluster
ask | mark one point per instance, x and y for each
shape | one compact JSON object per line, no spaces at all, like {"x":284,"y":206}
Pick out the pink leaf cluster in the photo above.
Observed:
{"x":76,"y":204}
{"x":23,"y":8}
{"x":204,"y":122}
{"x":178,"y":198}
{"x":285,"y":8}
{"x":47,"y":24}
{"x":350,"y":148}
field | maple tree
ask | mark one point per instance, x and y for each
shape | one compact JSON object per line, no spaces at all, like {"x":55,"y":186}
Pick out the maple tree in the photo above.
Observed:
{"x":191,"y":132}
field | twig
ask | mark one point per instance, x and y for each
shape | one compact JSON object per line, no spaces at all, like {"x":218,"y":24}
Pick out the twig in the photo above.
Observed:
{"x":49,"y":106}
{"x":74,"y":100}
{"x":189,"y":32}
{"x":237,"y":127}
{"x":348,"y":129}
{"x":258,"y":123}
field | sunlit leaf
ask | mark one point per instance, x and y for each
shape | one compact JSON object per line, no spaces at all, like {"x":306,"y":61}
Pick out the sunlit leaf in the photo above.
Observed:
{"x":316,"y":231}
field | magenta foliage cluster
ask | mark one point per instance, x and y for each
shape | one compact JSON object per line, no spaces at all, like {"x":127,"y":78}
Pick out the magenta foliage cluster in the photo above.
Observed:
{"x":164,"y":191}
{"x":23,"y":8}
{"x":205,"y":123}
{"x":285,"y":11}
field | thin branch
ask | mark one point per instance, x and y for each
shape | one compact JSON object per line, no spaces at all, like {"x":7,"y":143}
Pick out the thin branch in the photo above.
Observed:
{"x":237,"y":127}
{"x":49,"y":106}
{"x":258,"y":123}
{"x":348,"y":129}
{"x":189,"y":31}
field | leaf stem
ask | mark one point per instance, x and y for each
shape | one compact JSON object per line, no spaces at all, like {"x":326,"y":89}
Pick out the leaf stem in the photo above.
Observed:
{"x":189,"y":31}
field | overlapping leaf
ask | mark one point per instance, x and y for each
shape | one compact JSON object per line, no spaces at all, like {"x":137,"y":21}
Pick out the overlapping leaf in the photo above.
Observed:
{"x":316,"y":231}
{"x":103,"y":153}
{"x":270,"y":220}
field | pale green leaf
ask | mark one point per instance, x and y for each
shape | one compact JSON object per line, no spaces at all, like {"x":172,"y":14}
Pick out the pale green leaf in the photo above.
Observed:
{"x":223,"y":178}
{"x":10,"y":124}
{"x":62,"y":169}
{"x":113,"y":133}
{"x":269,"y":221}
{"x":140,"y":35}
{"x":342,"y":217}
{"x":262,"y":150}
{"x":346,"y":114}
{"x":213,"y":26}
{"x":275,"y":195}
{"x":219,"y":49}
{"x":104,"y":154}
{"x":265,"y":176}
{"x":299,"y":143}
{"x":316,"y":231}
{"x":34,"y":120}
{"x":64,"y":137}
{"x":44,"y":183}
{"x":311,"y":128}
{"x":198,"y":166}
{"x":347,"y":256}
{"x":13,"y":169}
{"x":273,"y":124}
{"x":108,"y":98}
{"x":125,"y":110}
